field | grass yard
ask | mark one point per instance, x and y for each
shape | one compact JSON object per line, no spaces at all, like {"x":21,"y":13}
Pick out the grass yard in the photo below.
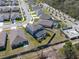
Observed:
{"x":7,"y":22}
{"x":59,"y":37}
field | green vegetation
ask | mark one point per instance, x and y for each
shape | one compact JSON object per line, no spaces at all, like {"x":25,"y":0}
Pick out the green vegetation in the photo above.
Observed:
{"x":39,"y":1}
{"x":62,"y":25}
{"x":77,"y":46}
{"x":59,"y":37}
{"x":69,"y":51}
{"x":30,"y":7}
{"x":68,"y":6}
{"x":18,"y":19}
{"x":45,"y":10}
{"x":7,"y":20}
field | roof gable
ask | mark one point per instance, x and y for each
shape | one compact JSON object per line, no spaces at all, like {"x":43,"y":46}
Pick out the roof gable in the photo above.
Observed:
{"x":18,"y":40}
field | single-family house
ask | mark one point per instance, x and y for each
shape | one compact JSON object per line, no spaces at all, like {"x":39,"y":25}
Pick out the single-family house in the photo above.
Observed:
{"x":46,"y":23}
{"x":37,"y":31}
{"x":3,"y":39}
{"x":6,"y":16}
{"x":15,"y":9}
{"x":71,"y":33}
{"x":1,"y":18}
{"x":17,"y":38}
{"x":5,"y":9}
{"x":15,"y":15}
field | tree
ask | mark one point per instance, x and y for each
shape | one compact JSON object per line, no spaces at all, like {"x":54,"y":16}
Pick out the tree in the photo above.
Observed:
{"x":30,"y":7}
{"x":69,"y":51}
{"x":67,"y":6}
{"x":40,"y":1}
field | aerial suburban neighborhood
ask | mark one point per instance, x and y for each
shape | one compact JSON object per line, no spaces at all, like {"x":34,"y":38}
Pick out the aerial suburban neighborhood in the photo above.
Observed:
{"x":33,"y":29}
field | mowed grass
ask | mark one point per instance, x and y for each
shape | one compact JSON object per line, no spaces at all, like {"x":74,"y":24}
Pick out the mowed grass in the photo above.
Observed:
{"x":58,"y":37}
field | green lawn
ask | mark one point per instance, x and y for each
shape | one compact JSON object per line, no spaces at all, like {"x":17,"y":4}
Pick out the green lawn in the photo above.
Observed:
{"x":59,"y":37}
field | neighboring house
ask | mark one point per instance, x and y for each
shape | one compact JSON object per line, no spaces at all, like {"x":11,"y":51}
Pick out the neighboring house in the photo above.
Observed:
{"x":6,"y":3}
{"x":30,"y":2}
{"x":2,"y":3}
{"x":1,"y":18}
{"x":37,"y":31}
{"x":15,"y":2}
{"x":3,"y":40}
{"x":6,"y":16}
{"x":71,"y":33}
{"x":36,"y":7}
{"x":5,"y":9}
{"x":0,"y":10}
{"x":40,"y":13}
{"x":46,"y":23}
{"x":15,"y":9}
{"x":40,"y":34}
{"x":76,"y":25}
{"x":45,"y":16}
{"x":15,"y":15}
{"x":17,"y":39}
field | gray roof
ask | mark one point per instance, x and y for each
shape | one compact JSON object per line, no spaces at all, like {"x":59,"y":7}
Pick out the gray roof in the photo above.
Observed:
{"x":14,"y":2}
{"x":31,"y":2}
{"x":18,"y":40}
{"x":41,"y":14}
{"x":16,"y":8}
{"x":41,"y":34}
{"x":2,"y":38}
{"x":5,"y":9}
{"x":36,"y":7}
{"x":46,"y":23}
{"x":14,"y":34}
{"x":0,"y":10}
{"x":5,"y":15}
{"x":33,"y":28}
{"x":15,"y":15}
{"x":71,"y":33}
{"x":3,"y":3}
{"x":44,"y":16}
{"x":1,"y":19}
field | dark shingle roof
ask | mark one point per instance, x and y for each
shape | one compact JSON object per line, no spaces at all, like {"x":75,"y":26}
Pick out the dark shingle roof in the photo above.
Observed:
{"x":44,"y":16}
{"x":2,"y":38}
{"x":40,"y":34}
{"x":37,"y":31}
{"x":14,"y":34}
{"x":46,"y":23}
{"x":18,"y":40}
{"x":33,"y":27}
